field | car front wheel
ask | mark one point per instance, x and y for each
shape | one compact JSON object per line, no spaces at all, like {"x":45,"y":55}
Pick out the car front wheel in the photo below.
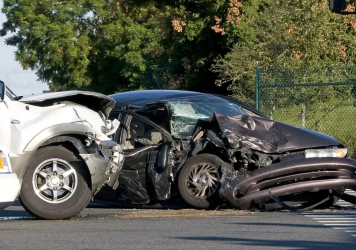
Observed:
{"x":55,"y":184}
{"x":199,"y":181}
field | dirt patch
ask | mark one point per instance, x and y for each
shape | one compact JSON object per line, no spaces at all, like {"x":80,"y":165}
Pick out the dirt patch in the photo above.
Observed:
{"x":186,"y":213}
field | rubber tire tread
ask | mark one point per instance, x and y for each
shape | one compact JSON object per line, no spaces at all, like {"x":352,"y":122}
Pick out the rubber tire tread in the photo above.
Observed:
{"x":66,"y":210}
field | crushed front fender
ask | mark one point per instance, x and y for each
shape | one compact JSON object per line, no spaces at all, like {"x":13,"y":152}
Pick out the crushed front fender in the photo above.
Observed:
{"x":286,"y":178}
{"x":104,"y":167}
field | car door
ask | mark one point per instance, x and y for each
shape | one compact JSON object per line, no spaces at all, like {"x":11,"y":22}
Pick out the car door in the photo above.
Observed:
{"x":145,"y":176}
{"x":5,"y":128}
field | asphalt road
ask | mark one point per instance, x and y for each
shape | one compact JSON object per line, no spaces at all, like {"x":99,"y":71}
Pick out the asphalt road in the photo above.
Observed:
{"x":100,"y":227}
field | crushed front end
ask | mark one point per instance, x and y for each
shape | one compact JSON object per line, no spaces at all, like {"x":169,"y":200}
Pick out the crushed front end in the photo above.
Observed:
{"x":81,"y":119}
{"x":104,"y":160}
{"x":288,"y":178}
{"x":270,"y":162}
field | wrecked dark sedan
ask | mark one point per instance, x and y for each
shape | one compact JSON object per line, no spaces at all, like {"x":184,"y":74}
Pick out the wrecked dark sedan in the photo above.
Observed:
{"x":207,"y":149}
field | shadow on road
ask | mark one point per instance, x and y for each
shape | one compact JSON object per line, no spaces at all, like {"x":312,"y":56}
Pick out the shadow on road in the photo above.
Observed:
{"x":14,"y":213}
{"x":278,"y":224}
{"x":305,"y":245}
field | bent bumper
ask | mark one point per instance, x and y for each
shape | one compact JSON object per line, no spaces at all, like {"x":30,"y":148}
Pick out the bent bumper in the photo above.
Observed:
{"x":9,"y":189}
{"x":103,"y":169}
{"x":286,"y":178}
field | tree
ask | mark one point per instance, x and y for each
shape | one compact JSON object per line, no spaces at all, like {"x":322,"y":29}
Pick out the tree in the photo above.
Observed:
{"x":115,"y":45}
{"x":82,"y":44}
{"x":288,"y":34}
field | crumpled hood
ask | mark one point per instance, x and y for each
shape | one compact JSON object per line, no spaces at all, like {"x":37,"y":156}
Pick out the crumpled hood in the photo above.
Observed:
{"x":267,"y":135}
{"x":91,"y":100}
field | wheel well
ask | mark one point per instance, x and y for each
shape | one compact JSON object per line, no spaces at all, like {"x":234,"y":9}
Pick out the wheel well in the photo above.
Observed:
{"x":209,"y":149}
{"x":214,"y":150}
{"x":71,"y":142}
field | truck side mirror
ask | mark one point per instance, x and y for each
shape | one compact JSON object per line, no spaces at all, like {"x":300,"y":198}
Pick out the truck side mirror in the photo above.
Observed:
{"x":337,"y":5}
{"x":2,"y":91}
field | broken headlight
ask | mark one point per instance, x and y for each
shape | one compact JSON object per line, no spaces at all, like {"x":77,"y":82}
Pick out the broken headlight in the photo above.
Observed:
{"x":4,"y":165}
{"x":319,"y":153}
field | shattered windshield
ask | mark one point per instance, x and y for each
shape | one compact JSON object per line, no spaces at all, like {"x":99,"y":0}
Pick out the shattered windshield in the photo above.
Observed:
{"x":187,"y":111}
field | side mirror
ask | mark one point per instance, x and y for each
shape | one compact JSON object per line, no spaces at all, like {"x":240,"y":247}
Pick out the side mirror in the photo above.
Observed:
{"x":162,"y":160}
{"x":338,"y":6}
{"x":2,"y":91}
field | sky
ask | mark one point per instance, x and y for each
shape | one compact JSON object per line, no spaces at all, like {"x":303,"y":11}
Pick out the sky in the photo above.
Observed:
{"x":20,"y":81}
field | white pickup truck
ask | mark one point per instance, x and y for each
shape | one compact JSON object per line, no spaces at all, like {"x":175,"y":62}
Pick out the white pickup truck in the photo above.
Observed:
{"x":9,"y":183}
{"x":60,"y":148}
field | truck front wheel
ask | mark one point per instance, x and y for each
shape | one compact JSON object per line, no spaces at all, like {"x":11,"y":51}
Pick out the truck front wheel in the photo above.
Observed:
{"x":55,"y":184}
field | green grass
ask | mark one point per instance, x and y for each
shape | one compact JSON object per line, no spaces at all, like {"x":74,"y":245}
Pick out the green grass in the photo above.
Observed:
{"x":332,"y":118}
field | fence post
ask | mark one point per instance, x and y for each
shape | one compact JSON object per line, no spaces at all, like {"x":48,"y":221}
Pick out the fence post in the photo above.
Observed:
{"x":257,"y":89}
{"x":303,"y":113}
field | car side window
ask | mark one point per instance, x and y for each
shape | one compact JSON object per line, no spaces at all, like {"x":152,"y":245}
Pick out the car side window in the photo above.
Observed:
{"x":250,"y":113}
{"x":140,"y":134}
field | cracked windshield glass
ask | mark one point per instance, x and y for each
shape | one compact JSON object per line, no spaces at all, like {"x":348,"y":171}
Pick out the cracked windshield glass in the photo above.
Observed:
{"x":186,"y":112}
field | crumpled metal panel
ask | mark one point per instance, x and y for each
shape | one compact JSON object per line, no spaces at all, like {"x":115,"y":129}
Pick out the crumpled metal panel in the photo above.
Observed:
{"x":132,"y":181}
{"x":92,"y":100}
{"x":139,"y":180}
{"x":266,"y":135}
{"x":161,"y":183}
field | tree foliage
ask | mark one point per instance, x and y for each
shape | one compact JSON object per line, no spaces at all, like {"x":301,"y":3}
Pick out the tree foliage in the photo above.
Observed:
{"x":83,"y":44}
{"x":115,"y":45}
{"x":289,"y":34}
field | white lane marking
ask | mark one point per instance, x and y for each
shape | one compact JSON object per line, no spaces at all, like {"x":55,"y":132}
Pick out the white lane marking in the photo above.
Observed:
{"x":336,"y":221}
{"x":338,"y":224}
{"x":342,"y":215}
{"x":333,"y":213}
{"x":339,"y":221}
{"x":16,"y":218}
{"x":343,"y":203}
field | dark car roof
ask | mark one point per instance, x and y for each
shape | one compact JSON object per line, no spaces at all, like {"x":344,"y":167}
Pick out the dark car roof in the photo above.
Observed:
{"x":143,"y":97}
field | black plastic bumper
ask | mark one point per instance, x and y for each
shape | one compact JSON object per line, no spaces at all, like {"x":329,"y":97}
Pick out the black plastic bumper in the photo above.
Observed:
{"x":286,"y":178}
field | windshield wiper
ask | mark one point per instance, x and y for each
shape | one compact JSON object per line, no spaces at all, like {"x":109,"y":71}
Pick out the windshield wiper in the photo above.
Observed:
{"x":18,"y":98}
{"x":12,"y":94}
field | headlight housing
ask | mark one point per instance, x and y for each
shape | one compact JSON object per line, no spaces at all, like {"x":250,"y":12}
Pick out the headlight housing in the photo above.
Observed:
{"x":4,"y":165}
{"x":320,"y":153}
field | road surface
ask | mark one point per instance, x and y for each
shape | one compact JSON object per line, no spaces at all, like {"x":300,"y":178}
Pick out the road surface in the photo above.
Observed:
{"x":102,"y":227}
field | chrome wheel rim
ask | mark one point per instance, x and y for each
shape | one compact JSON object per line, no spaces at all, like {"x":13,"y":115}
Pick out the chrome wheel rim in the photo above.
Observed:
{"x":203,"y":180}
{"x":55,"y":181}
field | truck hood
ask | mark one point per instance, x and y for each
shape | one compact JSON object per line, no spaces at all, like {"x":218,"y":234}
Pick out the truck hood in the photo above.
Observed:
{"x":91,"y":100}
{"x":266,"y":135}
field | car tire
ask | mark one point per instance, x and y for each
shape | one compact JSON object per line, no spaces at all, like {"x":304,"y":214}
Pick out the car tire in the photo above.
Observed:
{"x":201,"y":172}
{"x":55,"y":184}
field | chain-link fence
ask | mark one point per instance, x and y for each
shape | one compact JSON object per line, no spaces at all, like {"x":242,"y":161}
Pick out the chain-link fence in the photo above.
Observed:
{"x":322,"y":99}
